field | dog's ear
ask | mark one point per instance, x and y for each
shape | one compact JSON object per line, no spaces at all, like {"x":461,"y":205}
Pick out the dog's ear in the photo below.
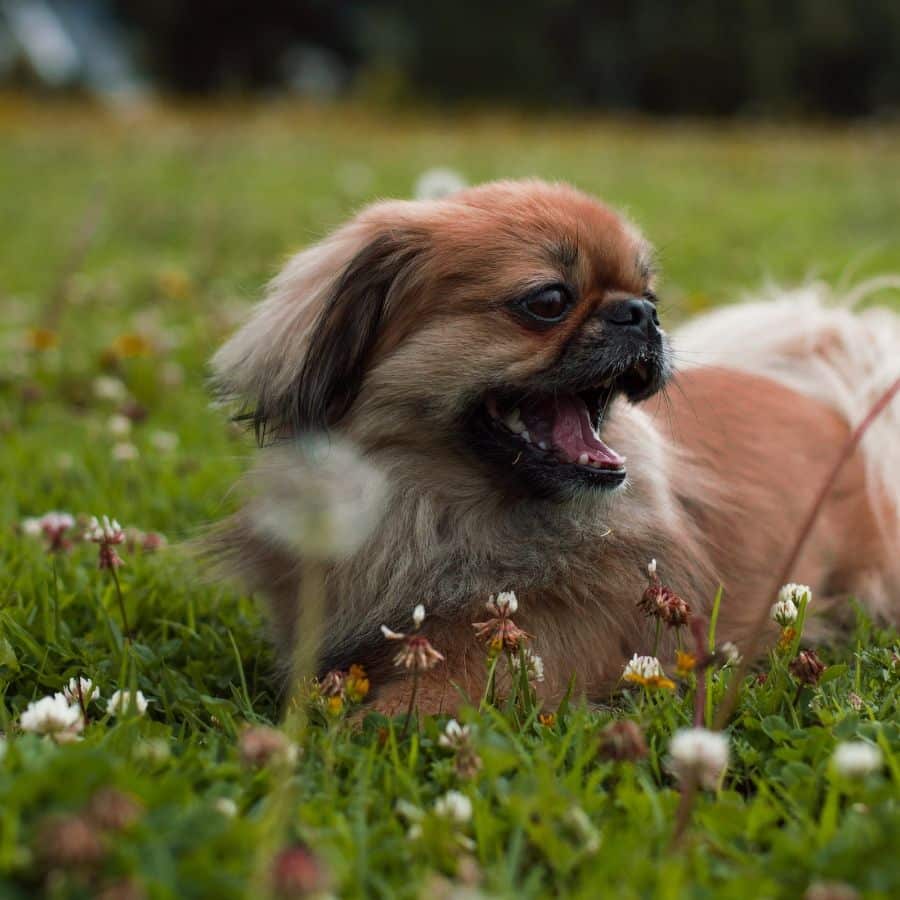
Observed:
{"x":300,"y":360}
{"x":345,"y":333}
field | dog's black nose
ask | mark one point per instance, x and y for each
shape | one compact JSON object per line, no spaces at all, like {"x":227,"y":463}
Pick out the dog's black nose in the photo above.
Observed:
{"x":636,"y":314}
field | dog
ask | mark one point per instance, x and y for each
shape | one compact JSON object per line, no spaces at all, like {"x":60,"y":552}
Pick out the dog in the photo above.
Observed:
{"x":498,"y":355}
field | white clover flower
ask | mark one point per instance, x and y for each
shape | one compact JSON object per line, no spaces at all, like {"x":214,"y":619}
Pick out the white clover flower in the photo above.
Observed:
{"x":171,"y":374}
{"x":855,"y":759}
{"x":418,"y":615}
{"x":588,"y":835}
{"x":642,"y":668}
{"x":454,"y":735}
{"x":57,"y":521}
{"x":506,"y":603}
{"x":54,"y":716}
{"x":226,"y":806}
{"x":51,"y":523}
{"x":80,"y":690}
{"x":784,"y":612}
{"x":104,"y":531}
{"x":155,"y":751}
{"x":795,"y":593}
{"x":164,"y":441}
{"x":106,"y":387}
{"x":408,"y":811}
{"x":699,"y":753}
{"x":32,"y":526}
{"x":124,"y":703}
{"x":534,"y":665}
{"x":434,"y":184}
{"x":65,"y":460}
{"x":119,"y":426}
{"x":730,"y":653}
{"x":454,"y":805}
{"x":124,"y":452}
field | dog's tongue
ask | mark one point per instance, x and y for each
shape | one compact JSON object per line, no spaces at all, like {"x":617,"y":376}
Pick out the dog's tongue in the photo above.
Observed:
{"x":564,"y":421}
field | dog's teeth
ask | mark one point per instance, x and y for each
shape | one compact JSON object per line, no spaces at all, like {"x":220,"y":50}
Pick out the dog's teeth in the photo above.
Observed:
{"x":525,"y":437}
{"x":583,"y":459}
{"x":513,"y":421}
{"x":542,"y":445}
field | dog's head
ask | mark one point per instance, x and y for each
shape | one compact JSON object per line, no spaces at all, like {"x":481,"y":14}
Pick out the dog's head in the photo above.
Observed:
{"x":496,"y":325}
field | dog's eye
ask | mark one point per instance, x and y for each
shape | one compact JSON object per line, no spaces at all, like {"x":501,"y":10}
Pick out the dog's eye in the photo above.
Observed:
{"x":548,"y":305}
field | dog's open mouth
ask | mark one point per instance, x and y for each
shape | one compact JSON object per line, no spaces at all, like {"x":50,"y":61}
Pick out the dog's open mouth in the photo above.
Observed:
{"x":564,"y":426}
{"x":557,"y":436}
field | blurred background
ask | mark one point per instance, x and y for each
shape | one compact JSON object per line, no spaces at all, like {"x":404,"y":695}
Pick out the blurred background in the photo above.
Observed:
{"x":779,"y":58}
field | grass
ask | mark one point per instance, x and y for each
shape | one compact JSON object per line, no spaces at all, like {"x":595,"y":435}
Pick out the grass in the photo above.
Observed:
{"x":135,"y":244}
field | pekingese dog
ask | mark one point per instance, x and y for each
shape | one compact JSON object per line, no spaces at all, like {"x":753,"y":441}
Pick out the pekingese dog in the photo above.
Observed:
{"x":499,"y":355}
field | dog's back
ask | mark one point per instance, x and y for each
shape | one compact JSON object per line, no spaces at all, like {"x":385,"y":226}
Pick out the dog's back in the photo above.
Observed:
{"x":776,"y":443}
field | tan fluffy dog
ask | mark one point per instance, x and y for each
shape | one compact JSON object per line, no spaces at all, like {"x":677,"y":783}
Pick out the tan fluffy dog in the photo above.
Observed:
{"x":476,"y":349}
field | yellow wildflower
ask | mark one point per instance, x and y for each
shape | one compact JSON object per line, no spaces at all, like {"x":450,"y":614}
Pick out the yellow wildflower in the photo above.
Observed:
{"x":356,"y":685}
{"x":685,"y":663}
{"x":129,"y":345}
{"x":41,"y":339}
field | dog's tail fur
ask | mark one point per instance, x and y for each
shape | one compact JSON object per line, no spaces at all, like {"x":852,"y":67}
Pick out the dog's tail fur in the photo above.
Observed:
{"x":824,"y":346}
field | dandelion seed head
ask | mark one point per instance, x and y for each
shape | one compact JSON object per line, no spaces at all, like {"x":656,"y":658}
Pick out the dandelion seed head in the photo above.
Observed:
{"x":317,"y":496}
{"x":433,"y":184}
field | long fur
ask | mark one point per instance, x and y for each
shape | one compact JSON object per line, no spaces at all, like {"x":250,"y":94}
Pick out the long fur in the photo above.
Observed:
{"x":823,"y":346}
{"x":386,"y":331}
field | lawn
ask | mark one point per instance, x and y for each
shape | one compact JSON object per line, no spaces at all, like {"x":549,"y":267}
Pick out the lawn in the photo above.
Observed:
{"x":131,"y":246}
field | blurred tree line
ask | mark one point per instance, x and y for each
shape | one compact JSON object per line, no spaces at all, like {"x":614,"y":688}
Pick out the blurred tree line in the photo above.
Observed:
{"x":814,"y":57}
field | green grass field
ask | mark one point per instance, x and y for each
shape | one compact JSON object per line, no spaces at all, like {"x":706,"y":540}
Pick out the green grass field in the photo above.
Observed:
{"x":130,"y":249}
